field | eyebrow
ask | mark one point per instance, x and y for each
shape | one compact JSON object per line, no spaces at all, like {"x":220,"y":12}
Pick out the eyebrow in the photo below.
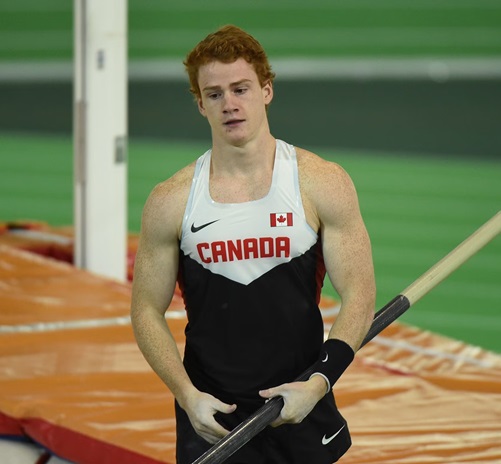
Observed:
{"x":233,"y":84}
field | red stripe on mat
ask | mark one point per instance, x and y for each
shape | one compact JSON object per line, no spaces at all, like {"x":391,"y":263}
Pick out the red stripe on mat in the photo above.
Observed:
{"x":10,"y":426}
{"x":76,"y":447}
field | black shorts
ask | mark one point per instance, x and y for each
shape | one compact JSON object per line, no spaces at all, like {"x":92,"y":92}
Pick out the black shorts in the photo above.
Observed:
{"x":321,"y":438}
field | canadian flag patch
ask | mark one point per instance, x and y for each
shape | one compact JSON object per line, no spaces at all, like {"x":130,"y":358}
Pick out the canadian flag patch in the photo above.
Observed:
{"x":281,"y":219}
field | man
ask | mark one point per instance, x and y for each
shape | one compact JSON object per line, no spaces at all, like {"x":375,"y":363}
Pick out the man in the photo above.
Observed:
{"x":249,"y":231}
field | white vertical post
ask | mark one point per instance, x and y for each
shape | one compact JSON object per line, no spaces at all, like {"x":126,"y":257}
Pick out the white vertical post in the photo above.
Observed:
{"x":100,"y":140}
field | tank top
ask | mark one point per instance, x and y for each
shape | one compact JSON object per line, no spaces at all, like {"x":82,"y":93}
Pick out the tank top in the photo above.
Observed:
{"x":250,"y":275}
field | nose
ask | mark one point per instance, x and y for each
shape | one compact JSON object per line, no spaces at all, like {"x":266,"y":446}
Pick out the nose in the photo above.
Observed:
{"x":229,"y":105}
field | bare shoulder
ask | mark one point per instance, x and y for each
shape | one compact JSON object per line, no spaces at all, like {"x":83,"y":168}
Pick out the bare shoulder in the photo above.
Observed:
{"x":317,"y":172}
{"x":327,"y":189}
{"x":175,"y":187}
{"x":167,"y":201}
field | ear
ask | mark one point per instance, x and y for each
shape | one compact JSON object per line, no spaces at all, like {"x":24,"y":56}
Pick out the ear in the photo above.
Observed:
{"x":201,"y":107}
{"x":268,"y":92}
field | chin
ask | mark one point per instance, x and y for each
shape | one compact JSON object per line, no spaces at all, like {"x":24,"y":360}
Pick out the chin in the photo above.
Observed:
{"x":236,"y":139}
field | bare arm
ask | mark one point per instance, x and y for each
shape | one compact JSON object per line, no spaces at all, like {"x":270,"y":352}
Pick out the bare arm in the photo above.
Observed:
{"x":347,"y":254}
{"x":155,"y":274}
{"x":331,"y":207}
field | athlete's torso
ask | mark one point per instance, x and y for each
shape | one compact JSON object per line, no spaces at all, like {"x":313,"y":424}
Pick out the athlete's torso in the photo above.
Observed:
{"x":251,"y":275}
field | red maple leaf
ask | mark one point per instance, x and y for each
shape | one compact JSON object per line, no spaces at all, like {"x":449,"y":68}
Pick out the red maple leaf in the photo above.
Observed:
{"x":282,"y":218}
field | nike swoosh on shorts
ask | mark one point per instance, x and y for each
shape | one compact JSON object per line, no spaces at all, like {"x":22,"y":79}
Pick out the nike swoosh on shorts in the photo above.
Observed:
{"x":327,"y":440}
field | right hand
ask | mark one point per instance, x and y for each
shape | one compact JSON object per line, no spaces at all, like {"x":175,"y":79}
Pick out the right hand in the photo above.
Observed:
{"x":201,"y":408}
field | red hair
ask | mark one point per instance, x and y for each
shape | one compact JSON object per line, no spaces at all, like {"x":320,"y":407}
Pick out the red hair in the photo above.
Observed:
{"x":228,"y":44}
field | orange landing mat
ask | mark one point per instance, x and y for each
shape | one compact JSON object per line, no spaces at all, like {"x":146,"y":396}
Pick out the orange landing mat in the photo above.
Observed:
{"x":73,"y":380}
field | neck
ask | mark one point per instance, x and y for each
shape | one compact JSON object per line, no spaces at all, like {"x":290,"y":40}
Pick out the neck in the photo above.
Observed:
{"x":252,"y":157}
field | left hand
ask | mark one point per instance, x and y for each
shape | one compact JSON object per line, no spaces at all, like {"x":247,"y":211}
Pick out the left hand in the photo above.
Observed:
{"x":299,"y":399}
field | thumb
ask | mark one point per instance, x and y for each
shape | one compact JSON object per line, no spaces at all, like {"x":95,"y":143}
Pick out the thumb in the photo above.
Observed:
{"x":268,"y":393}
{"x":226,"y":408}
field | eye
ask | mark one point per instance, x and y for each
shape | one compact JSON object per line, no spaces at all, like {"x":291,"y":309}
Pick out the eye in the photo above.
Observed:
{"x":240,"y":90}
{"x":213,"y":95}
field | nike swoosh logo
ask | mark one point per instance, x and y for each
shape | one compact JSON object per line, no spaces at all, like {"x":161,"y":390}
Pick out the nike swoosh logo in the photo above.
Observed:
{"x":195,"y":229}
{"x":326,"y":441}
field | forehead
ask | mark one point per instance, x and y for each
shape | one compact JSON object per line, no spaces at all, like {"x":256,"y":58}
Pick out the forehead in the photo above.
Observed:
{"x":217,"y":73}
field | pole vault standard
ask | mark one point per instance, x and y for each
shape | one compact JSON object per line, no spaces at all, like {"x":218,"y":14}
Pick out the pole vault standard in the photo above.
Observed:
{"x":100,"y":142}
{"x":245,"y":431}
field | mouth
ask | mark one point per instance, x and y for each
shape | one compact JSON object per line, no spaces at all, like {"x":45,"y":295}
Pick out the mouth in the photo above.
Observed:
{"x":233,"y":122}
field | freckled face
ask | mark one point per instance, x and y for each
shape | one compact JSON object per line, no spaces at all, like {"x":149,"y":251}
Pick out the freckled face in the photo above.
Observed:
{"x":233,"y":100}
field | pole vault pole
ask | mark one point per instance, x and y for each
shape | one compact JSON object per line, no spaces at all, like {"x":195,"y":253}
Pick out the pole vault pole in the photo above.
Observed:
{"x":244,"y":432}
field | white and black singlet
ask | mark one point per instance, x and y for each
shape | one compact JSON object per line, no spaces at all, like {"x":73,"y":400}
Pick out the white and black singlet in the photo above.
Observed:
{"x":251,"y":275}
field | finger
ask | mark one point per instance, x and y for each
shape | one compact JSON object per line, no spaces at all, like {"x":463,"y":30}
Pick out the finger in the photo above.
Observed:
{"x":278,"y":421}
{"x":209,"y":438}
{"x":225,"y":408}
{"x":217,"y":431}
{"x":265,"y":393}
{"x":212,"y":432}
{"x":270,"y":392}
